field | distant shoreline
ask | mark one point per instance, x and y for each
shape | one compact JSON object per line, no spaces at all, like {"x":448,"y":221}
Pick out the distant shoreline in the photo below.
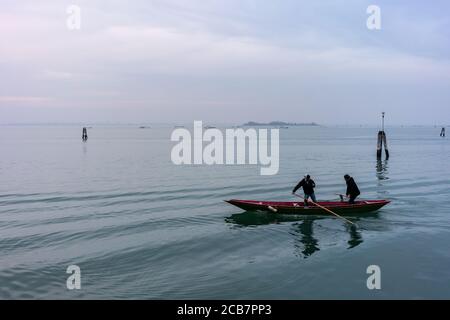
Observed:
{"x":281,"y":123}
{"x":217,"y":124}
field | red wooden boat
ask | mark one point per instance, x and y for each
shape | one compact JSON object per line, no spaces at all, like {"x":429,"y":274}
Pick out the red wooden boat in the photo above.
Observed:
{"x":298,"y":207}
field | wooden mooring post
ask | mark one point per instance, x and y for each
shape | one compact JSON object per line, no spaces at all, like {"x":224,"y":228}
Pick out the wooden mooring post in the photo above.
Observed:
{"x":382,"y":140}
{"x":84,"y":135}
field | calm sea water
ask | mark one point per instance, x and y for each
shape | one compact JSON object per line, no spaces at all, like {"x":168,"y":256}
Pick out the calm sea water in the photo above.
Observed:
{"x":140,"y":227}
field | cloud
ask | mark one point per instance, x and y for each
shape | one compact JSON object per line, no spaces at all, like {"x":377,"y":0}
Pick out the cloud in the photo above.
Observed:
{"x":24,"y":99}
{"x":224,"y":58}
{"x":57,"y":75}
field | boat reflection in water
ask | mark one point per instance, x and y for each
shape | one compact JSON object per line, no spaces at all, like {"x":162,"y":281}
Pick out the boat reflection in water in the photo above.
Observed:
{"x":306,"y":241}
{"x":355,"y":237}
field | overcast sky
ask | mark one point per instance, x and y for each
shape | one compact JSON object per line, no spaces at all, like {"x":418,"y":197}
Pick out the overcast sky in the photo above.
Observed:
{"x":225,"y":61}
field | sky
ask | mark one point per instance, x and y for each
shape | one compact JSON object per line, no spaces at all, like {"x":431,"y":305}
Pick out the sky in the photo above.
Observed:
{"x":225,"y":61}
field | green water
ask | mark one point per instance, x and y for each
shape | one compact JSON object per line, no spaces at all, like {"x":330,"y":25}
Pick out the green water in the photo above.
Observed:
{"x":140,"y":227}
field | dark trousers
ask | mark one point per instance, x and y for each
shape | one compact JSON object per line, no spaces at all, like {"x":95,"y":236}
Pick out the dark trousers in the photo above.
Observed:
{"x":352,"y":199}
{"x":307,"y":196}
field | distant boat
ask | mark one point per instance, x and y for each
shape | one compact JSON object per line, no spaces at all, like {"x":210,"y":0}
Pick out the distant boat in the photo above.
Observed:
{"x":210,"y":127}
{"x":144,"y":127}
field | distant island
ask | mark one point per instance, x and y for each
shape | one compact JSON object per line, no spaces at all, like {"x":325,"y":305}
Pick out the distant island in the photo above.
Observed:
{"x":279,"y":123}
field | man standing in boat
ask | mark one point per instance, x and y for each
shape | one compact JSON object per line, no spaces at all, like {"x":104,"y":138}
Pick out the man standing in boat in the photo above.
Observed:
{"x":308,"y":185}
{"x":352,"y":189}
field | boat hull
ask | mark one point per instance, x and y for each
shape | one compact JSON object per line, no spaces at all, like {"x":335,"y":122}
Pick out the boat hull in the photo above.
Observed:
{"x":343,"y":208}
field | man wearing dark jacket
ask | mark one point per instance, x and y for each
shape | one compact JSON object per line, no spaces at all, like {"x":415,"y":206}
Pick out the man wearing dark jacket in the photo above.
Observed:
{"x":308,"y":185}
{"x":352,"y":189}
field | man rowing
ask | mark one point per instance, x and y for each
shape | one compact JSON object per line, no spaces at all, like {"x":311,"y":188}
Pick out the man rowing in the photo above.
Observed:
{"x":308,"y":185}
{"x":352,"y":189}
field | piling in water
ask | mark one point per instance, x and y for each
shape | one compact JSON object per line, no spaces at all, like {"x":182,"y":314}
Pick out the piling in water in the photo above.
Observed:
{"x":379,"y":144}
{"x":84,"y":135}
{"x":443,"y":132}
{"x":386,"y":150}
{"x":382,"y":140}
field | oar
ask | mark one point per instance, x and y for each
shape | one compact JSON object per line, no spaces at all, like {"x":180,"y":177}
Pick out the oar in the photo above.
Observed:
{"x":328,"y":210}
